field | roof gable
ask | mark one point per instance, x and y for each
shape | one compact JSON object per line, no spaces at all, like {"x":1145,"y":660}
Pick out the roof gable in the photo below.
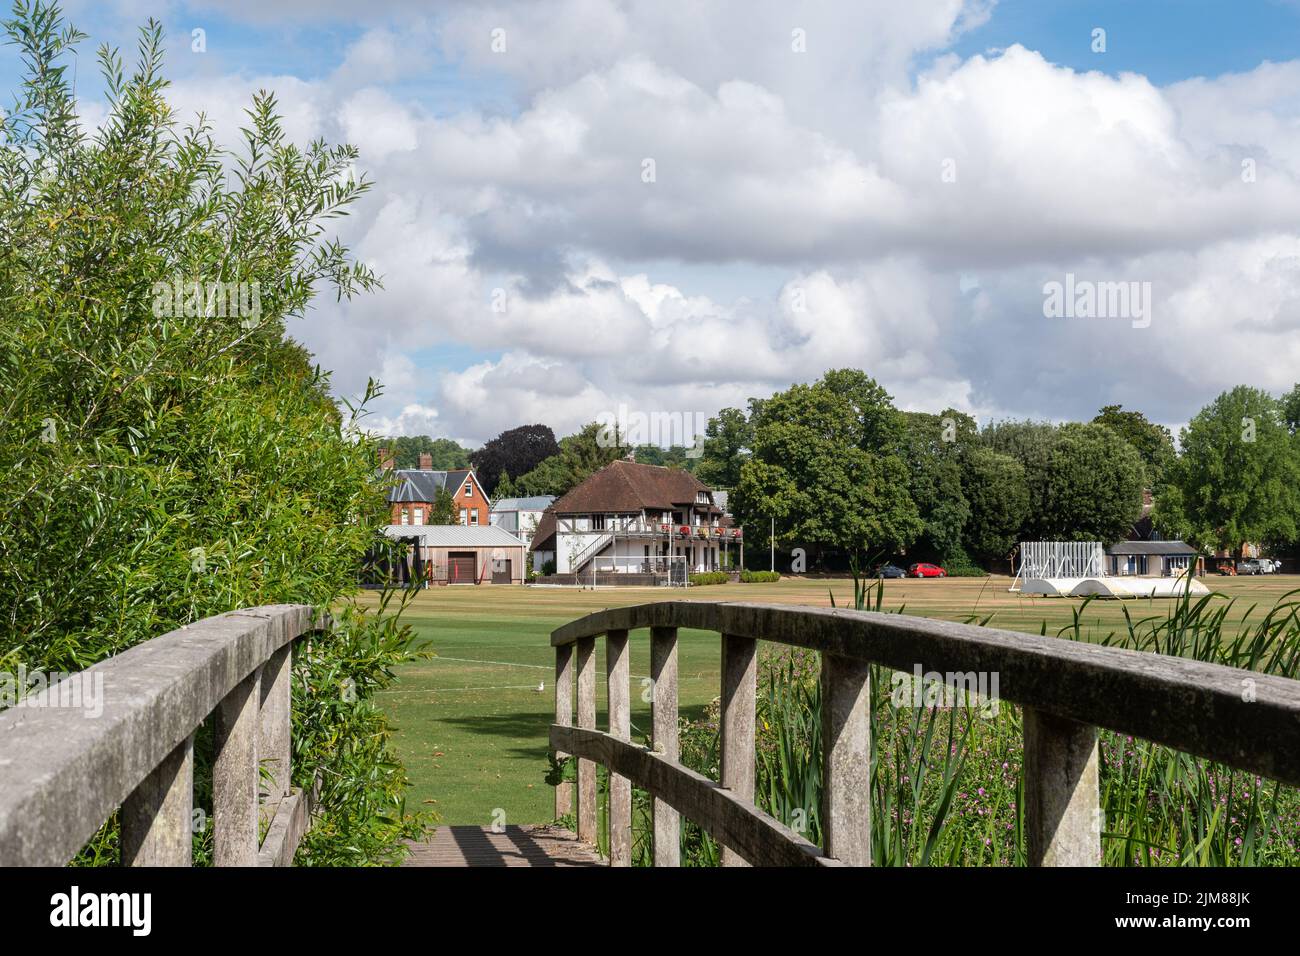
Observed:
{"x":628,"y":486}
{"x":414,"y":484}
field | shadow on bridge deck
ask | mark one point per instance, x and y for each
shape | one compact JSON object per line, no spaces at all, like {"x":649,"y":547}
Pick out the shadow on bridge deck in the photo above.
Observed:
{"x":512,"y":846}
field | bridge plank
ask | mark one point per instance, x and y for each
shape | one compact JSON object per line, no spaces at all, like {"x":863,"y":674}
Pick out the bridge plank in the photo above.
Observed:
{"x":736,"y":733}
{"x":664,"y":735}
{"x":587,"y":792}
{"x":464,"y":846}
{"x":618,"y":676}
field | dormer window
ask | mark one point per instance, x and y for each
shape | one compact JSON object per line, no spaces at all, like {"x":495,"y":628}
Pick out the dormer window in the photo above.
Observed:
{"x":702,"y":498}
{"x":469,"y":489}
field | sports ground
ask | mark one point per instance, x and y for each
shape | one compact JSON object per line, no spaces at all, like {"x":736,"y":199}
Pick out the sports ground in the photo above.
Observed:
{"x":472,"y":721}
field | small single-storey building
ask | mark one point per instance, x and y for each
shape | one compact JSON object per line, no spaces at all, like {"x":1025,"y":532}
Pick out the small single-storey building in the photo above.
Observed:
{"x":457,"y":554}
{"x":1157,"y":559}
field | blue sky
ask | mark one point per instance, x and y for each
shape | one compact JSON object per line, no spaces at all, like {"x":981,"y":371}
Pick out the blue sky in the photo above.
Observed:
{"x":800,"y":217}
{"x":1165,"y":40}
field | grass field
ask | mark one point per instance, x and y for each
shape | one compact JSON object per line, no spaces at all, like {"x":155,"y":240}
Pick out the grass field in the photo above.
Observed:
{"x":472,"y":726}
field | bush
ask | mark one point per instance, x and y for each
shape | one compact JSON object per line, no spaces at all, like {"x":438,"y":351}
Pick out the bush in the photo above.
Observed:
{"x":759,"y":577}
{"x":164,"y":458}
{"x":959,"y":564}
{"x":548,"y":567}
{"x":709,"y":577}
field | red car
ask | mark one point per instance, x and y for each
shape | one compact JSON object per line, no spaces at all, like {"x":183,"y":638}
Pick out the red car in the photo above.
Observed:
{"x":926,"y":571}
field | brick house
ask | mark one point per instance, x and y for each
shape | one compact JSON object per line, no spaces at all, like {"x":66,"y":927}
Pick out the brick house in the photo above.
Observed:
{"x":413,"y":495}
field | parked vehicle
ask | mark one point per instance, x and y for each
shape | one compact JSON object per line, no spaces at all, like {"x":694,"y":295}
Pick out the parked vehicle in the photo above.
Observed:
{"x":1249,"y":566}
{"x":926,"y":571}
{"x":1269,"y":566}
{"x":890,"y":571}
{"x":1227,"y":568}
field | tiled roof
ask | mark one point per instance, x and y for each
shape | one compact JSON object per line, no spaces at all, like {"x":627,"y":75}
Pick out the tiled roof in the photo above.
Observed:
{"x":544,"y":536}
{"x":455,"y":535}
{"x":625,"y":486}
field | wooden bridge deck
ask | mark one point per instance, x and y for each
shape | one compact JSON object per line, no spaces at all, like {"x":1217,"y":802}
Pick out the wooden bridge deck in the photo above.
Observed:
{"x":512,"y":846}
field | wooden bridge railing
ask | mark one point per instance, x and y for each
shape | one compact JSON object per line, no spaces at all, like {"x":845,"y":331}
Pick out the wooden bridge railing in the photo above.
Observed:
{"x":64,"y":770}
{"x":1067,"y":689}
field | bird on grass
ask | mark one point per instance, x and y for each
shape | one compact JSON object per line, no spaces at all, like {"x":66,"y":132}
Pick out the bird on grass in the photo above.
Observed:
{"x":541,"y":686}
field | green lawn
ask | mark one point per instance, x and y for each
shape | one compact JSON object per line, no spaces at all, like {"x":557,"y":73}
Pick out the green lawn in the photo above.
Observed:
{"x":472,"y":727}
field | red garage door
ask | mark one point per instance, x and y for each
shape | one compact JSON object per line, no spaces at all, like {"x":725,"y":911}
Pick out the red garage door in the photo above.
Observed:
{"x":461,"y":567}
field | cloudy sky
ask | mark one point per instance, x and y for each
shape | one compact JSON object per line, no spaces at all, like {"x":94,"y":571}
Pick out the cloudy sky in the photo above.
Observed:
{"x":674,"y":206}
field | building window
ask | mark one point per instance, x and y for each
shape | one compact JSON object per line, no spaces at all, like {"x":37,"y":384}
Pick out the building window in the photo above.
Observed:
{"x":406,"y":519}
{"x":469,"y":489}
{"x":473,"y":517}
{"x":419,"y":516}
{"x":464,"y":516}
{"x":598,"y":522}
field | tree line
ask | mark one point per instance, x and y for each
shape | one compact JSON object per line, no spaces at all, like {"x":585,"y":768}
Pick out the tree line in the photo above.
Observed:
{"x":834,"y":467}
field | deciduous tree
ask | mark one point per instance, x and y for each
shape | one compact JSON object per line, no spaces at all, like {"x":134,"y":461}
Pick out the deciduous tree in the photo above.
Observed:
{"x":826,"y":467}
{"x":516,"y":450}
{"x":1237,"y":477}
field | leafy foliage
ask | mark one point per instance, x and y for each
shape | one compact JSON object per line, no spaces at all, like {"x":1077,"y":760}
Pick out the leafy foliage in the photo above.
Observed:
{"x":708,"y":577}
{"x":995,"y":488}
{"x":1237,"y":476}
{"x":447,"y":455}
{"x":674,"y":456}
{"x":161,"y":459}
{"x":1085,"y":486}
{"x":1153,"y":442}
{"x":727,"y":439}
{"x":580,"y":456}
{"x":515,"y":451}
{"x":825,"y":467}
{"x":932,"y":448}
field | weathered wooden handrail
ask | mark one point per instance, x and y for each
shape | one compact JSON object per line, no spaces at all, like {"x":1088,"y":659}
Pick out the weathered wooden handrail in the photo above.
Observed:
{"x":62,"y":772}
{"x":1068,"y":689}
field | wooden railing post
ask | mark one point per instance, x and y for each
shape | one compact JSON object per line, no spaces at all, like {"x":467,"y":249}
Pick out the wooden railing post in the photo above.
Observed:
{"x":157,"y":818}
{"x":587,"y":721}
{"x":275,"y":745}
{"x":620,"y":726}
{"x":563,"y":717}
{"x":663,"y":712}
{"x":1062,"y":814}
{"x":739,"y":691}
{"x":846,"y":759}
{"x":235,"y":775}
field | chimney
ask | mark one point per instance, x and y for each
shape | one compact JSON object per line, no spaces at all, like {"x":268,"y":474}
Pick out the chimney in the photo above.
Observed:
{"x":386,"y":460}
{"x":426,"y":461}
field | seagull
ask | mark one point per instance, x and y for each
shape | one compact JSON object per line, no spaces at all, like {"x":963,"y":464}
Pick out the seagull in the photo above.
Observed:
{"x":541,"y":686}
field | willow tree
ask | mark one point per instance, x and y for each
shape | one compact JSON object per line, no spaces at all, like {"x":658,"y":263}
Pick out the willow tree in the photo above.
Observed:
{"x":167,"y":452}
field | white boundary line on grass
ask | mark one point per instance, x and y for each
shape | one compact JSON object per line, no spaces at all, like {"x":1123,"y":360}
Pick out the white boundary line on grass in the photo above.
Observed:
{"x":475,"y":660}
